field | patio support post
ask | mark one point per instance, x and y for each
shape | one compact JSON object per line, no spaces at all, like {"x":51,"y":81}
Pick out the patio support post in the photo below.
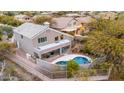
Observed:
{"x":60,"y":51}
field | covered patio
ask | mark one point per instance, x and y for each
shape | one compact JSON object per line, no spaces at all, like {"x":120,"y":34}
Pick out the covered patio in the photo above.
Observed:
{"x":51,"y":51}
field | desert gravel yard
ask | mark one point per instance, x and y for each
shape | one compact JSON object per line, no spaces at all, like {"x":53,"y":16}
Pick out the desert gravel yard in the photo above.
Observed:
{"x":17,"y":72}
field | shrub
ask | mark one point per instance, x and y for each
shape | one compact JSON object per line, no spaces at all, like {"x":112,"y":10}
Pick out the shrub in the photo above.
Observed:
{"x":72,"y":68}
{"x":10,"y":35}
{"x":42,"y":19}
{"x":9,"y":20}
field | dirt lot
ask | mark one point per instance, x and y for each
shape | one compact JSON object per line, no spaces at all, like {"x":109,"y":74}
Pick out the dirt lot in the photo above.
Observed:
{"x":20,"y":73}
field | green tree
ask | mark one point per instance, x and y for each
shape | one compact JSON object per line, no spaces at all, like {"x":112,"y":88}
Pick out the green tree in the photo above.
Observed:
{"x":6,"y":48}
{"x":72,"y":68}
{"x":28,"y":13}
{"x":9,"y":13}
{"x":84,"y":74}
{"x":61,"y":13}
{"x":6,"y":29}
{"x":10,"y":35}
{"x":106,"y":39}
{"x":113,"y":28}
{"x":10,"y":69}
{"x":1,"y":34}
{"x":42,"y":19}
{"x":9,"y":20}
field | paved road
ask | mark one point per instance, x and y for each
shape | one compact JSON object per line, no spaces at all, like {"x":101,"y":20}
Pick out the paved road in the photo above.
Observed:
{"x":30,"y":67}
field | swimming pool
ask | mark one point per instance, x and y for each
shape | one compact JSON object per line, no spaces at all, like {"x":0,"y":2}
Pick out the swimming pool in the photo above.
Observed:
{"x":79,"y":59}
{"x":62,"y":63}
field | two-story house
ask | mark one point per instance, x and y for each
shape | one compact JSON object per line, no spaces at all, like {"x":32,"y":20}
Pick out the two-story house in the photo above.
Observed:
{"x":41,"y":41}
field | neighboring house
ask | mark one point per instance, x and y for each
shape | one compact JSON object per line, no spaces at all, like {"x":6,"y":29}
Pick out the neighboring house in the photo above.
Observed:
{"x":84,"y":20}
{"x":69,"y":24}
{"x":86,"y":13}
{"x":82,"y":23}
{"x":41,"y":41}
{"x":23,"y":18}
{"x":64,"y":24}
{"x":80,"y":30}
{"x":73,"y":15}
{"x":107,"y":15}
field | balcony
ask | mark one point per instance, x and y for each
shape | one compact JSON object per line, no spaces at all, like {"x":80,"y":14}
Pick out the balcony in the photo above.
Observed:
{"x":54,"y":49}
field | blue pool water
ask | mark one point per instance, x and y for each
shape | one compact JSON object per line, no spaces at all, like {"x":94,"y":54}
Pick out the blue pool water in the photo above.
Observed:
{"x":62,"y":63}
{"x":78,"y":60}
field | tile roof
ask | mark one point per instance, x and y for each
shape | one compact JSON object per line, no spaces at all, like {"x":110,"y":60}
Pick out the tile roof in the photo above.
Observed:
{"x":87,"y":19}
{"x":61,"y":22}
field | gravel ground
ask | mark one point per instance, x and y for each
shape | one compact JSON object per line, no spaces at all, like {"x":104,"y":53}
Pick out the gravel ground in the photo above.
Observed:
{"x":20,"y":73}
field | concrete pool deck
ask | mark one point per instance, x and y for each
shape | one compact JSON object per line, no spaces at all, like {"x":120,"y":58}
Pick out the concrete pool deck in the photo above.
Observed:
{"x":68,"y":57}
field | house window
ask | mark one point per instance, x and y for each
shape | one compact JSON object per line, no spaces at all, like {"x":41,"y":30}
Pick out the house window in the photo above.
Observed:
{"x":41,"y":40}
{"x":21,"y":36}
{"x":61,"y":37}
{"x":44,"y":39}
{"x":56,"y":38}
{"x":38,"y":40}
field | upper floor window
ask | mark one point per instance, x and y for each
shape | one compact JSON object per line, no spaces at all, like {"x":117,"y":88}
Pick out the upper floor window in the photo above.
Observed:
{"x":21,"y":36}
{"x":61,"y":37}
{"x":38,"y":40}
{"x":56,"y":38}
{"x":41,"y":40}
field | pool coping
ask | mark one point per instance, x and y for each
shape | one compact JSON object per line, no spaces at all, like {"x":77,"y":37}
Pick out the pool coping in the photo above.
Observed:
{"x":68,"y":57}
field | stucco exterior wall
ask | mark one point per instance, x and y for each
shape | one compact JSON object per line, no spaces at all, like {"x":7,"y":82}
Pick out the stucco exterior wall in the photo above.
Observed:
{"x":50,"y":37}
{"x":28,"y":44}
{"x":25,"y":43}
